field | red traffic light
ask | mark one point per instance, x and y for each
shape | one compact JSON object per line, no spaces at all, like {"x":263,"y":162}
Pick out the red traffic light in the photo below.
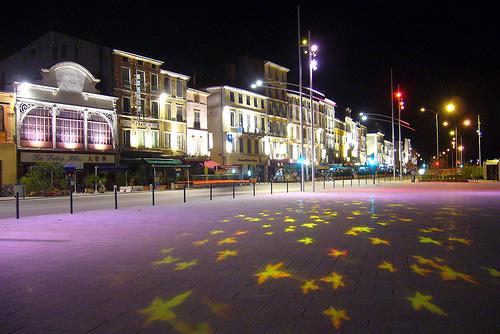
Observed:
{"x":398,"y":94}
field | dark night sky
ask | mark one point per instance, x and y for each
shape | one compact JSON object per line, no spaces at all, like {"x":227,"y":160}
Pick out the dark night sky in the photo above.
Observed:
{"x":437,"y":51}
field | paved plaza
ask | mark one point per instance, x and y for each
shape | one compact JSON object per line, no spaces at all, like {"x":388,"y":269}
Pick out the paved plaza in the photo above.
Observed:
{"x":412,"y":258}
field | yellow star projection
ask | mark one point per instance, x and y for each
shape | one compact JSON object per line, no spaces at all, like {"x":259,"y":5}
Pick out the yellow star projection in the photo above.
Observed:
{"x":335,"y":279}
{"x":161,"y":310}
{"x":492,"y":271}
{"x":229,"y":240}
{"x":214,"y":232}
{"x":419,"y":270}
{"x":290,"y":228}
{"x":200,"y":242}
{"x":271,"y":271}
{"x":185,"y":265}
{"x":306,"y":241}
{"x":225,"y":253}
{"x":387,"y":266}
{"x":309,"y":225}
{"x":378,"y":241}
{"x":336,"y":316}
{"x":420,"y":301}
{"x":166,"y":260}
{"x":427,"y":240}
{"x":309,"y":286}
{"x":166,"y":250}
{"x":461,"y":240}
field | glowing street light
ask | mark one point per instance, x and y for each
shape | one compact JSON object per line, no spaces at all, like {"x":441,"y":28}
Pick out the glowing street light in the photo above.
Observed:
{"x":445,"y":123}
{"x":466,"y":122}
{"x":450,"y":107}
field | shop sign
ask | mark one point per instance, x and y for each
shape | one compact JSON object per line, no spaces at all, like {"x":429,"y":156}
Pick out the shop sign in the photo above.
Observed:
{"x":128,"y":123}
{"x":67,"y":158}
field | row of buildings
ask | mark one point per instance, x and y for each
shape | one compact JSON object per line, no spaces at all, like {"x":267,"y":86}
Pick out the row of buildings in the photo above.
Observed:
{"x":86,"y":105}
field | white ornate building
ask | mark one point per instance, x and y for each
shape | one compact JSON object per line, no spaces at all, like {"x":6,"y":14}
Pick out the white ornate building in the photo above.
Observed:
{"x":65,"y":118}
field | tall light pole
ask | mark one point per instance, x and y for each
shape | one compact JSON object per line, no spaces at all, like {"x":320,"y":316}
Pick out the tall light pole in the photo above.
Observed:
{"x":400,"y":106}
{"x":301,"y":159}
{"x":392,"y":126}
{"x":437,"y":127}
{"x":313,"y":153}
{"x":479,"y":138}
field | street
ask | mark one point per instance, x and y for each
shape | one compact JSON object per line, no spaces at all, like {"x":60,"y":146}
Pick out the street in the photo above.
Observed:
{"x":400,"y":258}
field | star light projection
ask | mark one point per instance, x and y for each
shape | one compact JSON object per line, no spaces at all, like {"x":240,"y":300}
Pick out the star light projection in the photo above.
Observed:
{"x":290,"y":225}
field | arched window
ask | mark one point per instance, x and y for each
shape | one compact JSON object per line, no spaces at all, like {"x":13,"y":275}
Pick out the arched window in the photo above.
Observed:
{"x":69,"y":129}
{"x":36,"y":129}
{"x":99,"y":133}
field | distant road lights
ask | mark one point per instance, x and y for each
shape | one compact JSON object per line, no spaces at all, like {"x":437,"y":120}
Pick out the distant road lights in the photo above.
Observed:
{"x":364,"y":118}
{"x":314,"y":48}
{"x":447,"y":150}
{"x":450,"y":107}
{"x":398,"y":95}
{"x":421,"y":171}
{"x":422,"y":109}
{"x":467,"y":122}
{"x":445,"y":123}
{"x":452,"y":133}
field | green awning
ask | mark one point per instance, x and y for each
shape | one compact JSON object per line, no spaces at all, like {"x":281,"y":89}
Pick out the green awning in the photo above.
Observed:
{"x":173,"y":163}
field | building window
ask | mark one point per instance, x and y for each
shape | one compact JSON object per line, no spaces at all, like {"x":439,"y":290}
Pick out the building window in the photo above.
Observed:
{"x":154,"y":82}
{"x":168,"y":109}
{"x":231,"y":96}
{"x":196,"y":119}
{"x":141,"y":106}
{"x":141,"y":137}
{"x":262,"y":105}
{"x":248,"y":100}
{"x":167,"y":85}
{"x":2,"y":127}
{"x":125,"y":77}
{"x":241,"y":145}
{"x":255,"y":104}
{"x":249,"y":146}
{"x":155,"y":138}
{"x":99,"y":133}
{"x":154,"y":109}
{"x":240,"y":98}
{"x":54,"y":52}
{"x":180,"y":114}
{"x":142,"y":81}
{"x":180,"y":141}
{"x":37,"y":128}
{"x":256,"y":146}
{"x":140,"y":63}
{"x":126,"y":137}
{"x":69,"y":128}
{"x":180,"y":86}
{"x":241,"y":121}
{"x":231,"y":118}
{"x":168,"y":140}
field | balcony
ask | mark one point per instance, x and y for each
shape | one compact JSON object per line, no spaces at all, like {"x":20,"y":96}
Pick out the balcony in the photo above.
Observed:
{"x":197,"y":125}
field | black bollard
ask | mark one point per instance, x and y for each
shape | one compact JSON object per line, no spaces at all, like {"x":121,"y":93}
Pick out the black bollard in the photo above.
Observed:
{"x":152,"y":193}
{"x":342,"y":182}
{"x":359,"y":181}
{"x":253,"y":184}
{"x":271,"y":187}
{"x":286,"y":185}
{"x":116,"y":197}
{"x":324,"y":183}
{"x":366,"y":180}
{"x":17,"y":205}
{"x":351,"y":181}
{"x":333,"y":182}
{"x":233,"y":189}
{"x":210,"y":191}
{"x":184,"y":193}
{"x":70,"y":199}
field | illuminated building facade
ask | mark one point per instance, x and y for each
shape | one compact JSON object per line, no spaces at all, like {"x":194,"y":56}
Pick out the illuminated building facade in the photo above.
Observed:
{"x":8,"y":156}
{"x":375,"y":147}
{"x":65,"y":119}
{"x":388,"y":153}
{"x":238,"y":121}
{"x":339,"y":143}
{"x":199,"y":140}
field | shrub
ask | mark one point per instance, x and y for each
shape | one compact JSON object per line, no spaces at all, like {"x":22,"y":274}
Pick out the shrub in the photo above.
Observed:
{"x":44,"y":176}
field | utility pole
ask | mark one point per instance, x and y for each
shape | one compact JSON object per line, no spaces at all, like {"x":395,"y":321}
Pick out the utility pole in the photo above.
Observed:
{"x":479,"y":138}
{"x":301,"y":158}
{"x":392,"y":126}
{"x":313,"y":157}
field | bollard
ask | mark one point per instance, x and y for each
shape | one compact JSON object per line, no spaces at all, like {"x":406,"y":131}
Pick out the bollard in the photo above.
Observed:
{"x":342,"y":182}
{"x":324,"y":183}
{"x":233,"y":189}
{"x":366,"y":180}
{"x":17,"y":205}
{"x":70,"y":199}
{"x":301,"y":186}
{"x":210,"y":191}
{"x":116,"y":196}
{"x":152,"y":193}
{"x":333,"y":182}
{"x":184,"y":193}
{"x":253,"y":184}
{"x":351,"y":181}
{"x":374,"y":177}
{"x":287,"y":186}
{"x":271,"y":187}
{"x":359,"y":181}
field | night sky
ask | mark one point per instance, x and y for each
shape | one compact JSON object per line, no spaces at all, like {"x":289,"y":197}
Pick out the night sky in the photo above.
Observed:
{"x":437,"y":52}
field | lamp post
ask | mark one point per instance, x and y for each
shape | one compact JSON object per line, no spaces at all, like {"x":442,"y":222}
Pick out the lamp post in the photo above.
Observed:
{"x":301,"y":158}
{"x":400,"y":107}
{"x":479,"y":138}
{"x":313,"y":65}
{"x":437,"y":127}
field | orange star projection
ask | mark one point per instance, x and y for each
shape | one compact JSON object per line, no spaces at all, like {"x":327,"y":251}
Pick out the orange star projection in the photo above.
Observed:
{"x":336,"y":316}
{"x":222,"y":255}
{"x":337,"y":252}
{"x":461,"y":240}
{"x":161,"y":310}
{"x":271,"y":271}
